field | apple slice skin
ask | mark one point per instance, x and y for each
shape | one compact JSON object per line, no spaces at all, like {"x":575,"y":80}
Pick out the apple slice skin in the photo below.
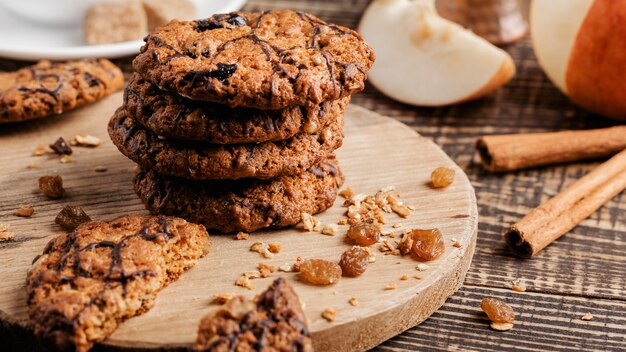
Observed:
{"x":596,"y":72}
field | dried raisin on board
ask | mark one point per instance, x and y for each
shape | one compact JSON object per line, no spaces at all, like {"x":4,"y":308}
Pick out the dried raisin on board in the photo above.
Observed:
{"x":442,"y":177}
{"x":320,"y":271}
{"x":427,"y":244}
{"x":354,"y":261}
{"x":364,"y":233}
{"x":497,"y":310}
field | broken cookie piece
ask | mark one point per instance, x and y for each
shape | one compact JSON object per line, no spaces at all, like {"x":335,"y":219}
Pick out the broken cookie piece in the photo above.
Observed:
{"x":274,"y":320}
{"x":88,"y":281}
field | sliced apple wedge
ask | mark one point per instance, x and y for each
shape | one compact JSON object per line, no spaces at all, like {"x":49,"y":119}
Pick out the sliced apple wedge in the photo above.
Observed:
{"x":426,"y":60}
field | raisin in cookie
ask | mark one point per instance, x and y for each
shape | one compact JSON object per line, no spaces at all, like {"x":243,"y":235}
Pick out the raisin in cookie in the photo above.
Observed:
{"x":172,"y":116}
{"x":223,"y":161}
{"x":88,"y":281}
{"x":242,"y":205}
{"x":274,"y":321}
{"x":263,"y":60}
{"x":48,"y":88}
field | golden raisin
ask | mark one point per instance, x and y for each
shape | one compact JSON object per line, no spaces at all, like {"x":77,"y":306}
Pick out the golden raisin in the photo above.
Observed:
{"x":442,"y":177}
{"x":52,"y":186}
{"x":427,"y":244}
{"x":497,"y":310}
{"x":354,"y":261}
{"x":320,"y":271}
{"x":364,"y":233}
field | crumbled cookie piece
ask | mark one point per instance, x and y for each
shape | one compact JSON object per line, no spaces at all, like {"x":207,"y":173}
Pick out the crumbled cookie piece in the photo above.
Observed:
{"x":100,"y":168}
{"x":221,"y":298}
{"x":253,"y":274}
{"x":274,"y":320}
{"x":32,"y":165}
{"x":422,"y":267}
{"x":501,"y":326}
{"x":66,"y":159}
{"x":5,"y":233}
{"x":52,"y":186}
{"x":85,"y":140}
{"x":391,"y":286}
{"x":310,"y":223}
{"x":274,"y":247}
{"x":86,"y":282}
{"x":266,"y":270}
{"x":353,"y":301}
{"x":347,"y":193}
{"x":330,"y":229}
{"x":262,"y":249}
{"x":61,"y":147}
{"x":587,"y":317}
{"x":244,"y":281}
{"x":287,"y":268}
{"x":404,"y":277}
{"x":518,"y":288}
{"x":242,"y":236}
{"x":39,"y":150}
{"x":25,"y":212}
{"x":71,"y":217}
{"x":113,"y":22}
{"x":329,"y":314}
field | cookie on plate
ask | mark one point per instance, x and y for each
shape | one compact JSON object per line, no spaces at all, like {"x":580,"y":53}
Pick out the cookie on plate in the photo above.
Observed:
{"x":263,"y":60}
{"x":160,"y":12}
{"x":88,"y":281}
{"x":274,"y":320}
{"x":172,"y":116}
{"x":48,"y":88}
{"x":242,"y":205}
{"x":223,"y":161}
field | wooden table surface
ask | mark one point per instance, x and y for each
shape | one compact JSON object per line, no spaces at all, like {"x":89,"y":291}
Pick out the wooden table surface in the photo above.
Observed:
{"x":584,"y":271}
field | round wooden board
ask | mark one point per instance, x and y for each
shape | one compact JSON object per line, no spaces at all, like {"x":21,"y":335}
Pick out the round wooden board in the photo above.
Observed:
{"x":377,"y":152}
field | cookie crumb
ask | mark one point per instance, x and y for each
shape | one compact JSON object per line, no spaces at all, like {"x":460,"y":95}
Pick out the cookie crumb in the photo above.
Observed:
{"x":457,"y":244}
{"x":518,"y":288}
{"x":404,"y":277}
{"x":242,"y":236}
{"x":342,"y":222}
{"x":275,"y":247}
{"x":287,"y":268}
{"x":353,"y":301}
{"x":52,"y":186}
{"x":587,"y":317}
{"x":501,"y":326}
{"x":395,"y":226}
{"x":401,"y":210}
{"x":221,"y":298}
{"x":253,"y":274}
{"x":391,"y":286}
{"x":61,"y":147}
{"x":25,"y":212}
{"x":100,"y":168}
{"x":266,"y":270}
{"x":39,"y":150}
{"x":32,"y":165}
{"x":310,"y":223}
{"x":262,"y":249}
{"x":417,"y":277}
{"x":329,"y":314}
{"x":330,"y":229}
{"x":422,"y":267}
{"x":244,"y":282}
{"x":347,"y":193}
{"x":5,"y":234}
{"x":85,"y":140}
{"x":66,"y":159}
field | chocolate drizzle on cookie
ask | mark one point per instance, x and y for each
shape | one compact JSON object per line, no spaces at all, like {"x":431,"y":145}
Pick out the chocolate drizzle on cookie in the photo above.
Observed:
{"x":295,"y":66}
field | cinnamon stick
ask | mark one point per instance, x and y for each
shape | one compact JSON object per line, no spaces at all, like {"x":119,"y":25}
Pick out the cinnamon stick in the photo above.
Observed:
{"x":544,"y":224}
{"x":501,"y":153}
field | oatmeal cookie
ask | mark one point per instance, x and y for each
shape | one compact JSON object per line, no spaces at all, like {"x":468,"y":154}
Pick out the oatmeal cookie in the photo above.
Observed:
{"x":264,"y":60}
{"x":242,"y":205}
{"x":88,"y":281}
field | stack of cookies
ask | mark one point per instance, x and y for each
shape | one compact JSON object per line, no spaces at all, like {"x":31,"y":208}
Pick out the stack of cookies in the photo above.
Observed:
{"x":234,"y":119}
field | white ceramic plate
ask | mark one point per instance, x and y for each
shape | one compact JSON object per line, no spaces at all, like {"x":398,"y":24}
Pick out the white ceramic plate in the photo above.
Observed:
{"x":27,"y":40}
